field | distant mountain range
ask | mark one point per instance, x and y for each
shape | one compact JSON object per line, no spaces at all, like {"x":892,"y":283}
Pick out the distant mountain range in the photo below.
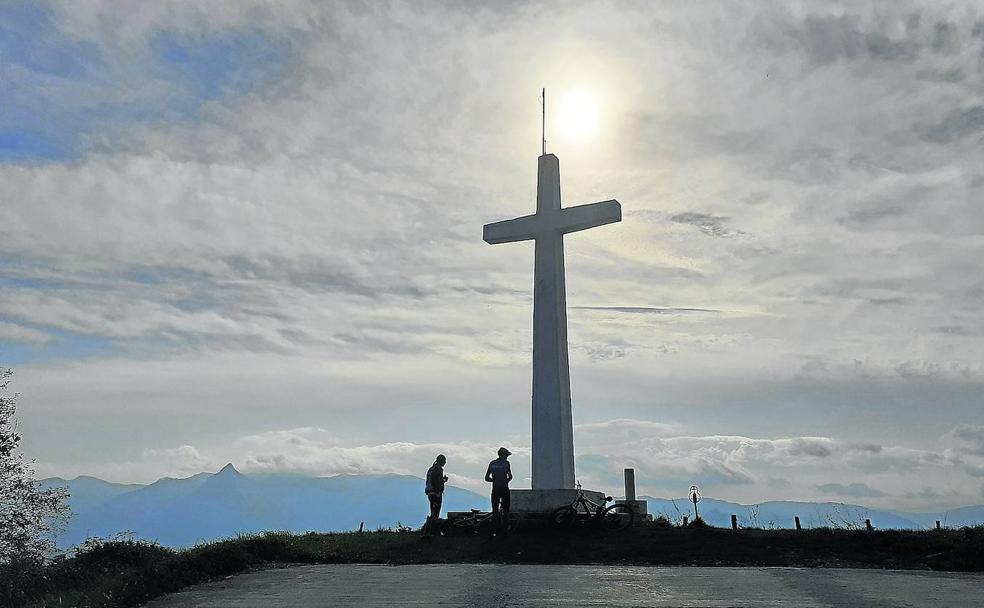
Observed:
{"x":781,"y":514}
{"x":183,"y":512}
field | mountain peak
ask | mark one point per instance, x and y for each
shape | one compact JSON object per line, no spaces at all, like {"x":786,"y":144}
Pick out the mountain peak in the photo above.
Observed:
{"x":229,"y":471}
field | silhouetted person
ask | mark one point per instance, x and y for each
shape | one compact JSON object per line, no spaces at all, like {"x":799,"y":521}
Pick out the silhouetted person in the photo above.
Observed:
{"x":500,"y":474}
{"x":434,"y":488}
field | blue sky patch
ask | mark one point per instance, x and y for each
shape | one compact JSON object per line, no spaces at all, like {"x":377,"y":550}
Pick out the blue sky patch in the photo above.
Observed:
{"x":63,"y":345}
{"x":218,"y":66}
{"x":16,"y":146}
{"x":24,"y":282}
{"x":29,"y":38}
{"x":59,"y":93}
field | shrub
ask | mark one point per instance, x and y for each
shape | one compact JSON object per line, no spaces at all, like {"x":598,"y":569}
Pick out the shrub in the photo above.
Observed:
{"x":28,"y":514}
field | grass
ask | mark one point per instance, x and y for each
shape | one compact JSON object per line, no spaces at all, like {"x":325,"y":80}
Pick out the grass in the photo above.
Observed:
{"x":128,"y":573}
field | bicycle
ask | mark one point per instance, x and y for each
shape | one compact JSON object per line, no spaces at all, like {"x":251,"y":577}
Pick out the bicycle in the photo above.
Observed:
{"x":480,"y":521}
{"x":585,"y":510}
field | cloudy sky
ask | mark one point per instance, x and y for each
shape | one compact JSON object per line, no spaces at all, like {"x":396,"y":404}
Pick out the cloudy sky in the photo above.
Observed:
{"x":232,"y":231}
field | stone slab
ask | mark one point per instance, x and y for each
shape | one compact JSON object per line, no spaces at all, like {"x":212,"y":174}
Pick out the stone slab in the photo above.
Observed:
{"x":545,"y":501}
{"x":641,"y":507}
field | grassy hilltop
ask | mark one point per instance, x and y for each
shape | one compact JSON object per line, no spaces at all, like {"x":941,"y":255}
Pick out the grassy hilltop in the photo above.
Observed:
{"x":128,"y":573}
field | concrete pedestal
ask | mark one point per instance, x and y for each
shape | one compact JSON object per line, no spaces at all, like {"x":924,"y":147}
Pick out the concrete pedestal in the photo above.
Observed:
{"x":641,"y":508}
{"x":546,"y":501}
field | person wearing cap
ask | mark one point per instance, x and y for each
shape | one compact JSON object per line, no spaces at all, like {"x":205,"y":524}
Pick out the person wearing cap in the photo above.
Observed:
{"x":434,"y":488}
{"x":499,"y":474}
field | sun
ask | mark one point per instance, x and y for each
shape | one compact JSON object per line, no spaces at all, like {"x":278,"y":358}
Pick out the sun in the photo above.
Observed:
{"x":578,"y":114}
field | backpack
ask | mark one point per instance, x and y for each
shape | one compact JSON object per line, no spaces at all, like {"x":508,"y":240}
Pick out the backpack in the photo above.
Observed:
{"x":428,"y":486}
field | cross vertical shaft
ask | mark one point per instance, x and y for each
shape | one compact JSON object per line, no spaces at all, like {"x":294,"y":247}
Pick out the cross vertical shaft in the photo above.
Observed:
{"x":553,"y":426}
{"x":553,"y":464}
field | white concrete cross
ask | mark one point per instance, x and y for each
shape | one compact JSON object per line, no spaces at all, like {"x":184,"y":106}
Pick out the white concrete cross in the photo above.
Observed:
{"x":553,"y":430}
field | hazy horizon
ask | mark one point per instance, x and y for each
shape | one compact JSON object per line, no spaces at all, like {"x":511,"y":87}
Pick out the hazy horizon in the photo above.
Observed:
{"x":240,"y":233}
{"x":684,"y":500}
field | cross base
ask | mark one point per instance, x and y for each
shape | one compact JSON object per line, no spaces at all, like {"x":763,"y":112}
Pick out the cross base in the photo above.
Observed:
{"x":546,"y":501}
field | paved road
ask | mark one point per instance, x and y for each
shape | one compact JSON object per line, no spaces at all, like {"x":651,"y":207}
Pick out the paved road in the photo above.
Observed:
{"x":488,"y":586}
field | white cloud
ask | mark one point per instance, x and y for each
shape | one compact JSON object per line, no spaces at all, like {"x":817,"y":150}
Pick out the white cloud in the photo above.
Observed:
{"x":181,"y":461}
{"x":313,"y":247}
{"x":972,"y":438}
{"x":18,"y":333}
{"x":730,"y":467}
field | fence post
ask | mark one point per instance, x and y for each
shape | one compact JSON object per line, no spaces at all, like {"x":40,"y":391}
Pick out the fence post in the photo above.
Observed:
{"x":734,"y":521}
{"x":867,"y":525}
{"x":684,"y":521}
{"x":361,"y":525}
{"x":798,"y":526}
{"x":937,"y":524}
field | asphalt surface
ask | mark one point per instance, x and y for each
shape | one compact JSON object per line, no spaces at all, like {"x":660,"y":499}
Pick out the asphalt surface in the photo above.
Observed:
{"x":482,"y":586}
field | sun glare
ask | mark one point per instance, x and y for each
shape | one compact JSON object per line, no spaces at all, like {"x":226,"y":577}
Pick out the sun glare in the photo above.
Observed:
{"x":578,"y":115}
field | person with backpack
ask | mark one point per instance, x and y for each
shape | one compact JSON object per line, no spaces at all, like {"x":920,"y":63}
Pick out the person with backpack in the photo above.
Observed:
{"x":434,"y":488}
{"x":499,"y":474}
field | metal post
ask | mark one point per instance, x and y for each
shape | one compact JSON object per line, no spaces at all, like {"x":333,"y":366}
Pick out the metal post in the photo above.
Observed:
{"x":798,"y":526}
{"x":543,"y":121}
{"x":734,"y":521}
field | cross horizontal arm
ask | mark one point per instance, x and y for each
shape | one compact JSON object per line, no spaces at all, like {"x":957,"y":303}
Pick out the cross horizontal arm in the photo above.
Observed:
{"x":583,"y":217}
{"x":507,"y":231}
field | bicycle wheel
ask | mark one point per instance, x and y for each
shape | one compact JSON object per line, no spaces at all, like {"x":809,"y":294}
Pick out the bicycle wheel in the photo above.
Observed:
{"x":563,"y":518}
{"x":459,"y":524}
{"x":469,"y":524}
{"x":617,"y":517}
